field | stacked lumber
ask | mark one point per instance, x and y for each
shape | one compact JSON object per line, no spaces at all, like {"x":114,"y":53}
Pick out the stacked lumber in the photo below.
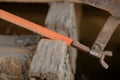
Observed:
{"x":15,"y":57}
{"x":46,"y":61}
{"x":61,"y":18}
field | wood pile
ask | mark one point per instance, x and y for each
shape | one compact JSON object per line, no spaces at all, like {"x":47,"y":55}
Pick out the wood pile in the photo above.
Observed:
{"x":28,"y":58}
{"x":36,"y":59}
{"x":15,"y":57}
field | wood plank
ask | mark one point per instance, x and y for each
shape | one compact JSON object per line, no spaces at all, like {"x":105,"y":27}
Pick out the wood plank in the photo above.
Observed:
{"x":21,"y":54}
{"x":62,"y":19}
{"x":51,"y":61}
{"x":9,"y":54}
{"x":14,"y":52}
{"x":19,"y":41}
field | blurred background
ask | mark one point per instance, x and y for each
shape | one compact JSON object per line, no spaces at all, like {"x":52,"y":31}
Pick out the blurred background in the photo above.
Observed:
{"x":90,"y":21}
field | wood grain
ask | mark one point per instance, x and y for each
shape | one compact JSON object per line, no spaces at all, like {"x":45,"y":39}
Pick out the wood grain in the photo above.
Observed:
{"x":15,"y":58}
{"x":62,"y":19}
{"x":10,"y":69}
{"x":51,"y":61}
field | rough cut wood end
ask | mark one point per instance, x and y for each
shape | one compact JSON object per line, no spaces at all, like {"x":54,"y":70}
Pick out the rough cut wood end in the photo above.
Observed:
{"x":10,"y":69}
{"x":51,"y":61}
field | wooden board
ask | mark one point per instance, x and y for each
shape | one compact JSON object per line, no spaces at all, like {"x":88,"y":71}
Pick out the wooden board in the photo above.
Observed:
{"x":51,"y":61}
{"x":15,"y":57}
{"x":62,"y":19}
{"x":19,"y":41}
